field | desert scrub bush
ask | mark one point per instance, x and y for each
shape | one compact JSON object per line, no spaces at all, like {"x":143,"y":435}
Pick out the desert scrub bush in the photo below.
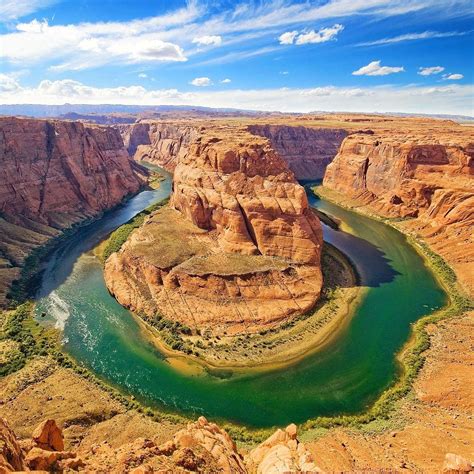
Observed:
{"x":30,"y":338}
{"x":119,"y":236}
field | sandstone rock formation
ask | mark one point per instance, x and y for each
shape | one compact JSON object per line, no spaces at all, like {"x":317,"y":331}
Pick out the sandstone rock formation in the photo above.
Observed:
{"x":200,"y":447}
{"x":159,"y":143}
{"x":49,"y":436}
{"x":307,"y":150}
{"x":423,"y":174}
{"x":281,"y":452}
{"x":457,"y":464}
{"x":37,"y":454}
{"x":242,"y":253}
{"x":55,"y":174}
{"x":11,"y":455}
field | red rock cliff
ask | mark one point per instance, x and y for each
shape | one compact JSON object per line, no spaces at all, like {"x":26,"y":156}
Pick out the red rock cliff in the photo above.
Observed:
{"x":238,"y":250}
{"x":159,"y":143}
{"x":307,"y":150}
{"x":55,"y":174}
{"x":424,"y":175}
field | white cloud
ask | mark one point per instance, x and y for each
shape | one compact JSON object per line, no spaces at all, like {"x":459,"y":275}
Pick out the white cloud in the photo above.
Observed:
{"x":167,"y":37}
{"x":142,"y":75}
{"x":413,"y":37}
{"x":288,"y":37}
{"x":83,"y":47}
{"x":321,"y":36}
{"x":201,"y":82}
{"x":86,"y":45}
{"x":428,"y":71}
{"x":212,"y":40}
{"x":13,"y":9}
{"x":311,"y":37}
{"x":449,"y":99}
{"x":452,"y":77}
{"x":8,"y":83}
{"x":226,"y":81}
{"x":375,"y":69}
{"x":284,"y":73}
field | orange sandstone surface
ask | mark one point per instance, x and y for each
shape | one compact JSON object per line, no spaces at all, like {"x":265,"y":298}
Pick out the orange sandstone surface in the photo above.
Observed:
{"x":423,"y":175}
{"x":54,"y":174}
{"x":238,"y":248}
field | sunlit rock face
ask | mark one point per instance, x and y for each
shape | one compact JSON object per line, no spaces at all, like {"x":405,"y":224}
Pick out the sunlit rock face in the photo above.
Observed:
{"x":238,"y":250}
{"x":55,"y":174}
{"x":424,"y":174}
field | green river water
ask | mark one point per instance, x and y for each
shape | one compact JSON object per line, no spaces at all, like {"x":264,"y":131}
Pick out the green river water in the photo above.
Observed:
{"x":344,"y":377}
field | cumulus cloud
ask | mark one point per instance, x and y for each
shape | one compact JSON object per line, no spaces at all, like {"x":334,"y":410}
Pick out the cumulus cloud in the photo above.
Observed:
{"x":8,"y":83}
{"x":208,"y":40}
{"x":311,"y":37}
{"x":142,"y":75}
{"x":288,"y":37}
{"x":201,"y":82}
{"x":375,"y":69}
{"x":321,"y":36}
{"x":450,"y":99}
{"x":428,"y":71}
{"x":452,"y":77}
{"x":226,"y":81}
{"x":81,"y":47}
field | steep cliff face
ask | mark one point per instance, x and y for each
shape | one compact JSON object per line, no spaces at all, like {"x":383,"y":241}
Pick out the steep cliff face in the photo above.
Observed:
{"x":160,"y":143}
{"x":307,"y":150}
{"x":55,"y":174}
{"x":238,"y":250}
{"x":425,"y":177}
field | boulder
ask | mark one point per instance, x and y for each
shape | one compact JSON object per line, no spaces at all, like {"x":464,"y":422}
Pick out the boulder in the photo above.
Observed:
{"x":49,"y":436}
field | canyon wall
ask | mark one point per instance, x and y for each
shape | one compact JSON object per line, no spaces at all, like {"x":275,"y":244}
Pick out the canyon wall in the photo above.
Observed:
{"x":55,"y":174}
{"x":159,"y":143}
{"x":307,"y":150}
{"x":423,"y":176}
{"x":238,"y":250}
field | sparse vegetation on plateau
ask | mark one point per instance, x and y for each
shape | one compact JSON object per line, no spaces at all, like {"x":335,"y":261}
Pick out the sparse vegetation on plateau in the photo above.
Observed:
{"x":119,"y":236}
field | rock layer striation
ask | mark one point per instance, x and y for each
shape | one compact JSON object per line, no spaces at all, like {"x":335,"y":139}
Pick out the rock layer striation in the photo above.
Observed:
{"x":424,"y":175}
{"x":159,"y":143}
{"x":307,"y":150}
{"x":239,"y":249}
{"x":55,"y":174}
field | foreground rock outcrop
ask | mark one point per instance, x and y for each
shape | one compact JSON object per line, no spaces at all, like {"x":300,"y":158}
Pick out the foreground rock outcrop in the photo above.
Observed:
{"x":239,"y":249}
{"x":200,"y":447}
{"x":55,"y":174}
{"x":424,"y":175}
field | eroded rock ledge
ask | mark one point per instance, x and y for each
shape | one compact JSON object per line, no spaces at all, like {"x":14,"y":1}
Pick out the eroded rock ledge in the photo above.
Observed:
{"x":55,"y":174}
{"x":237,"y":251}
{"x":425,"y":176}
{"x":306,"y":150}
{"x":201,"y":446}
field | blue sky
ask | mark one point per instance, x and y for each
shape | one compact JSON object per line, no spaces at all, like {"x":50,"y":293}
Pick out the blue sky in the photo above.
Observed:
{"x":354,"y":55}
